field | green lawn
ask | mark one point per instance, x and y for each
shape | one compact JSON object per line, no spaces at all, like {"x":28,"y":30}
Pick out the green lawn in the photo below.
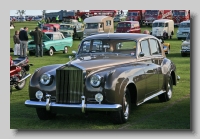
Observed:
{"x":174,"y":114}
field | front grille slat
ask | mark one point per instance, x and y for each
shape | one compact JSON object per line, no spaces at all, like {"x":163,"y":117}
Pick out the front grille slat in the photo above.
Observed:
{"x":69,"y":85}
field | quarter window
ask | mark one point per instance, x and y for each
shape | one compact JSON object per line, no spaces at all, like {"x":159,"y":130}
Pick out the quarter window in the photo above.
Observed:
{"x":145,"y":47}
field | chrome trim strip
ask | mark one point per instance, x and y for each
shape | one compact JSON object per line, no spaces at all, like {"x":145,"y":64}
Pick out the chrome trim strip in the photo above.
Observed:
{"x":24,"y":78}
{"x":150,"y":97}
{"x":88,"y":107}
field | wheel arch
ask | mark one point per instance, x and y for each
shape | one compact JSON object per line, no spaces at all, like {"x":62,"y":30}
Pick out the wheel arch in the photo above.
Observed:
{"x":173,"y":75}
{"x":133,"y":92}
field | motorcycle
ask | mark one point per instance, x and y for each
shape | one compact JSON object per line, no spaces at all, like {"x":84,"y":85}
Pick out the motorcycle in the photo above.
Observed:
{"x":19,"y":68}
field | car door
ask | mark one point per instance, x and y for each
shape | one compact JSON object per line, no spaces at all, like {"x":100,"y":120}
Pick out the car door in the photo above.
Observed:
{"x":157,"y":59}
{"x":150,"y":69}
{"x":56,"y":42}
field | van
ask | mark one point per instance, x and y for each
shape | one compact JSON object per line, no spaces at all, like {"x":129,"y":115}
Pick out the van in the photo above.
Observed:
{"x":98,"y":24}
{"x":183,"y":30}
{"x":128,"y":27}
{"x":163,"y":28}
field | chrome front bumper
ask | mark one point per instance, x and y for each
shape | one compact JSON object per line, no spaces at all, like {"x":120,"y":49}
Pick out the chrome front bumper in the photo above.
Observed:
{"x":82,"y":107}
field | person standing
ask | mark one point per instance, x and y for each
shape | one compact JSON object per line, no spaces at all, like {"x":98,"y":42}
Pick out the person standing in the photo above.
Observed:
{"x":23,"y":37}
{"x":57,"y":18}
{"x":38,"y":34}
{"x":146,"y":32}
{"x":16,"y":43}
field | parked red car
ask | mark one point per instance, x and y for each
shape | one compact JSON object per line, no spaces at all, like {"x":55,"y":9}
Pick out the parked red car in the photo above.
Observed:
{"x":18,"y":72}
{"x":128,"y":27}
{"x":50,"y":27}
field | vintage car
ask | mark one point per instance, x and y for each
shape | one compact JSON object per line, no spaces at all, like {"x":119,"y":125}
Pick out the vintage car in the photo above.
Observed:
{"x":50,"y":27}
{"x":183,"y":30}
{"x":52,"y":42}
{"x":185,"y":46}
{"x":119,"y":18}
{"x":68,"y":30}
{"x":128,"y":27}
{"x":166,"y":46}
{"x":110,"y":74}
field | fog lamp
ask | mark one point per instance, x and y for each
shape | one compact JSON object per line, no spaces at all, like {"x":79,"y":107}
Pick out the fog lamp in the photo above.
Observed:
{"x":39,"y":95}
{"x":99,"y":97}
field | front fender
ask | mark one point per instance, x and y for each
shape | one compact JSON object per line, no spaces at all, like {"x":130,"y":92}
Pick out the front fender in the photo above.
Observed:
{"x":35,"y":85}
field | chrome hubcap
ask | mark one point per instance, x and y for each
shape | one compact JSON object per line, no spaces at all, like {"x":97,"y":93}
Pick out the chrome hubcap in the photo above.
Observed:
{"x":126,"y":108}
{"x":169,"y":93}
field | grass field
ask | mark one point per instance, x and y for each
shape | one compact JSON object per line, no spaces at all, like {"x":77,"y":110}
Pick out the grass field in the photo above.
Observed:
{"x":174,"y":114}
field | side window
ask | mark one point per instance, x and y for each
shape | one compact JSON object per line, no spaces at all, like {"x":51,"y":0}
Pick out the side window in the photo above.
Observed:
{"x":56,"y":37}
{"x":153,"y":46}
{"x":166,"y":24}
{"x":108,"y":23}
{"x":145,"y":47}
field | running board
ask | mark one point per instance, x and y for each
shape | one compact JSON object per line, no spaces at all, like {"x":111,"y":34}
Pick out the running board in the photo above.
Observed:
{"x":150,"y":97}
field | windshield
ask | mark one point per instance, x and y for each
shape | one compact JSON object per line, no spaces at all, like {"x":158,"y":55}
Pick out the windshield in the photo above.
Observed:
{"x":132,"y":14}
{"x":151,"y":12}
{"x":46,"y":28}
{"x":110,"y":46}
{"x":159,"y":24}
{"x":184,"y":25}
{"x":92,"y":26}
{"x":67,"y":27}
{"x":123,"y":25}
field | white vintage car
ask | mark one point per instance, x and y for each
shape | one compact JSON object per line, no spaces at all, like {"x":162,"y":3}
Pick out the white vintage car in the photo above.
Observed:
{"x":185,"y":46}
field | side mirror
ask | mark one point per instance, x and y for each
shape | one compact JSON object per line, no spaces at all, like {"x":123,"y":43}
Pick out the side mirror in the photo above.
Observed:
{"x":141,"y":54}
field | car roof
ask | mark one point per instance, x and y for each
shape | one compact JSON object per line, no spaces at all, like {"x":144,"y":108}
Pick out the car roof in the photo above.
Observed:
{"x":53,"y":33}
{"x":95,"y":19}
{"x":162,"y":20}
{"x":188,"y":21}
{"x":128,"y":36}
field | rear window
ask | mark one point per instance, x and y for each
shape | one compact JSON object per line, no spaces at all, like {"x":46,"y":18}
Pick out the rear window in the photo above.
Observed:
{"x":123,"y":25}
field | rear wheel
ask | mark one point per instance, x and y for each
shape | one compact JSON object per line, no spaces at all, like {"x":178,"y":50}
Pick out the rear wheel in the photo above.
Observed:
{"x":122,"y":116}
{"x":65,"y":50}
{"x":183,"y":54}
{"x":45,"y":115}
{"x":167,"y":95}
{"x":31,"y":53}
{"x":51,"y":51}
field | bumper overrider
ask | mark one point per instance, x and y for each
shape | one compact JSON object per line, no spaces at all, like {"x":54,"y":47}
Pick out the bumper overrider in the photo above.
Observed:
{"x":48,"y":105}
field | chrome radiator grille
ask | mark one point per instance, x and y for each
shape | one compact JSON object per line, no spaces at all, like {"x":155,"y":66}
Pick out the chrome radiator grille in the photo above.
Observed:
{"x":69,"y":85}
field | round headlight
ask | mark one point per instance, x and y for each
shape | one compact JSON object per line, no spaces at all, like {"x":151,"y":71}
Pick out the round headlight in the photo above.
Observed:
{"x":39,"y":95}
{"x":95,"y":80}
{"x":45,"y":79}
{"x":98,"y":97}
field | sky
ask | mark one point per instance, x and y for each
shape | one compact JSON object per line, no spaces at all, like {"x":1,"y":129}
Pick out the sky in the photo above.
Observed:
{"x":35,"y":12}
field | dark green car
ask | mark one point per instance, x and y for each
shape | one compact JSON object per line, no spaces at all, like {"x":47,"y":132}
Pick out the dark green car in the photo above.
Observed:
{"x":52,"y":42}
{"x":68,"y":30}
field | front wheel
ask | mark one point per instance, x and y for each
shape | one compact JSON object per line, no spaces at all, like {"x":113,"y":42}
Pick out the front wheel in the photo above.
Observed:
{"x":45,"y":115}
{"x":167,"y":95}
{"x":122,"y":116}
{"x":21,"y":85}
